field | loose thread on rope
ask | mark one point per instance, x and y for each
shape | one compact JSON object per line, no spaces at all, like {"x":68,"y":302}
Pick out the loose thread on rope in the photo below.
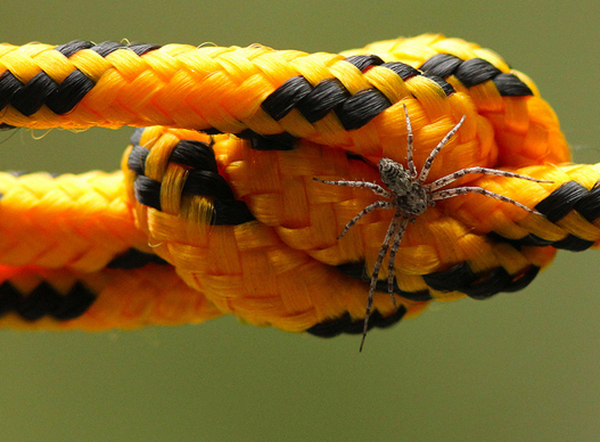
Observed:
{"x":216,"y":210}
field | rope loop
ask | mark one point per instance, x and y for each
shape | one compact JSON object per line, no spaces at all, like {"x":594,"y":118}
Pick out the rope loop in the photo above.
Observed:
{"x":221,"y":205}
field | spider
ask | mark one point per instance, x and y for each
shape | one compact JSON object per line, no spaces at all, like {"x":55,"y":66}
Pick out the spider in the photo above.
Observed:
{"x":409,"y":197}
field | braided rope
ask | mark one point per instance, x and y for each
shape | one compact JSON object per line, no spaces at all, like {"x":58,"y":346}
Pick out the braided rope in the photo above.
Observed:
{"x":355,"y":102}
{"x":77,"y":222}
{"x":35,"y":298}
{"x":201,"y":223}
{"x":483,"y":246}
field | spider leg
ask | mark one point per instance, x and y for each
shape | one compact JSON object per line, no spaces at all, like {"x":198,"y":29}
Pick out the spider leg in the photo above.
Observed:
{"x":434,"y":153}
{"x":392,"y":260}
{"x":444,"y":181}
{"x":375,"y":188}
{"x":375,"y":273}
{"x":451,"y":193}
{"x":369,"y":208}
{"x":412,"y":170}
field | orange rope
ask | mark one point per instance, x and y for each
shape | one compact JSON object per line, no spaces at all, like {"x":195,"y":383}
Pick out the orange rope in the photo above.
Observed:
{"x":197,"y":225}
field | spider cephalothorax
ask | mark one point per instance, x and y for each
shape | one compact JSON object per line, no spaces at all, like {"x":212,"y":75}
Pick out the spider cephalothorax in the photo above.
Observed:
{"x":409,"y":196}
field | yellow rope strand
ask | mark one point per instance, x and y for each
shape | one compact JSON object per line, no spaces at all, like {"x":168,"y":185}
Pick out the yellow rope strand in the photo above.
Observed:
{"x":223,"y":89}
{"x":123,"y":299}
{"x":77,"y":222}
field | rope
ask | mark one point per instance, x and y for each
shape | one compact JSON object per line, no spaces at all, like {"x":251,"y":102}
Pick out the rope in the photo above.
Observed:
{"x":216,"y":209}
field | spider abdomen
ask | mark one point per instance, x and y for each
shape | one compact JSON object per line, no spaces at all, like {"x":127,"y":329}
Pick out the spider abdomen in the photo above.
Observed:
{"x":395,"y":176}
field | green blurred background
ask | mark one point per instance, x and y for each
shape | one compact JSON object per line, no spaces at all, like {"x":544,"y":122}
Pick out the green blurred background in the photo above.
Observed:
{"x":519,"y":367}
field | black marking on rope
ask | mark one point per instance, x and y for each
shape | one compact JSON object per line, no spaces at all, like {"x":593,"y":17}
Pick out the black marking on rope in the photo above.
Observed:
{"x":4,"y":126}
{"x":363,"y":62}
{"x":528,"y":240}
{"x":74,"y":46}
{"x":314,"y":103}
{"x":447,"y":87}
{"x":420,"y":296}
{"x":231,"y":213}
{"x":9,"y":86}
{"x":354,"y":269}
{"x":361,"y":108}
{"x":77,"y":301}
{"x":462,"y":279}
{"x":345,"y":324}
{"x":570,"y":242}
{"x":211,"y":131}
{"x":589,"y":205}
{"x":476,"y":71}
{"x":195,"y":154}
{"x":9,"y":298}
{"x":441,"y":65}
{"x":533,"y":240}
{"x":70,"y":92}
{"x":561,"y":201}
{"x":493,"y":282}
{"x":573,"y":243}
{"x":325,"y":96}
{"x":281,"y":101}
{"x":136,"y":137}
{"x":41,"y":301}
{"x":522,"y":281}
{"x":357,"y":271}
{"x":282,"y":141}
{"x":45,"y":300}
{"x":143,"y":48}
{"x":206,"y":183}
{"x":28,"y":98}
{"x":147,"y":192}
{"x":203,"y":180}
{"x":134,"y":259}
{"x":136,"y":161}
{"x":354,"y":156}
{"x":107,"y":47}
{"x":455,"y":278}
{"x":32,"y":96}
{"x":41,"y":89}
{"x":405,"y":71}
{"x":459,"y":278}
{"x":509,"y":85}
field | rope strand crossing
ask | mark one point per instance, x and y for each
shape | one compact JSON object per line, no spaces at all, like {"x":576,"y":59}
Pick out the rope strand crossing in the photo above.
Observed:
{"x":216,"y":211}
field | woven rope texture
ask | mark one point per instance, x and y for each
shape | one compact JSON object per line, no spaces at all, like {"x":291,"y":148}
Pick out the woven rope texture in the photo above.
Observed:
{"x":216,"y":209}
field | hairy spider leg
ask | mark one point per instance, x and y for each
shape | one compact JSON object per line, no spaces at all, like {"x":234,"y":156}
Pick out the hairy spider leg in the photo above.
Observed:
{"x":412,"y":170}
{"x":369,"y":208}
{"x":434,"y":153}
{"x":457,"y":191}
{"x":375,"y":188}
{"x":375,"y":273}
{"x":392,"y":259}
{"x":448,"y":179}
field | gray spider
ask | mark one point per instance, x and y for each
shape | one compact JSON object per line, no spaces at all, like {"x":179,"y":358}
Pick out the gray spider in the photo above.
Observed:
{"x":410,"y":197}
